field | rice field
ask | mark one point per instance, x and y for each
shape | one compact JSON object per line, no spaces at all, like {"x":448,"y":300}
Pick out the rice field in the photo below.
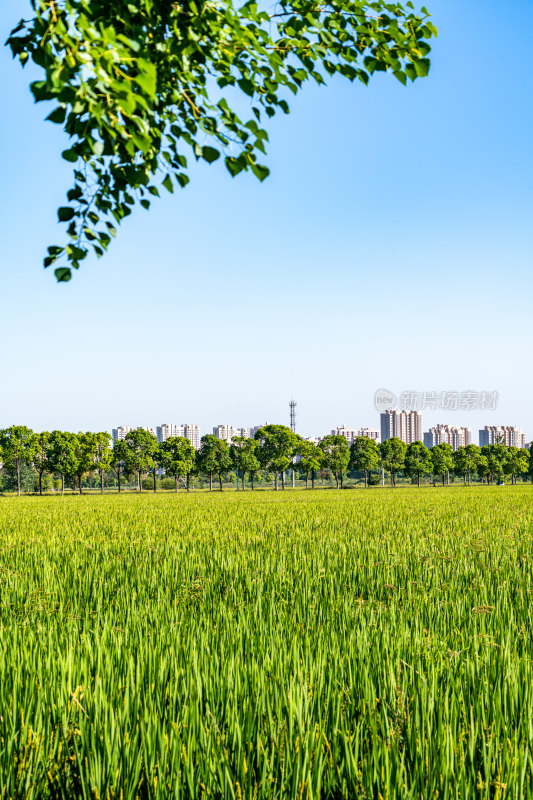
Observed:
{"x":295,"y":645}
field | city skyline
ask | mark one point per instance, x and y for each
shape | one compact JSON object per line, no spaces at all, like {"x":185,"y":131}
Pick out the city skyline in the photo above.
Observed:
{"x":405,"y":425}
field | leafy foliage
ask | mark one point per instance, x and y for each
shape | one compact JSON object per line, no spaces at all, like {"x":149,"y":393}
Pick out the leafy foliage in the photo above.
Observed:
{"x":336,"y":455}
{"x":138,"y":85}
{"x":364,"y":455}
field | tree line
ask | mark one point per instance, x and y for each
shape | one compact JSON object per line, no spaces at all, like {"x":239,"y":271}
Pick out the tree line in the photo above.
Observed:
{"x":275,"y":448}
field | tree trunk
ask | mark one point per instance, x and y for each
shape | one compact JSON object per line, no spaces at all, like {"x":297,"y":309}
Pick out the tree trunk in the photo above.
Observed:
{"x":62,"y":484}
{"x":342,"y":479}
{"x":418,"y":475}
{"x":155,"y":481}
{"x":40,"y":483}
{"x":283,"y":479}
{"x":276,"y":480}
{"x":210,"y":481}
{"x":140,"y":481}
{"x":312,"y":479}
{"x":366,"y":479}
{"x":307,"y":480}
{"x":18,"y":478}
{"x":188,"y":479}
{"x":79,"y":484}
{"x":176,"y":479}
{"x":220,"y":480}
{"x":337,"y":478}
{"x":243,"y":480}
{"x":118,"y":480}
{"x":101,"y":482}
{"x":443,"y":478}
{"x":392,"y":480}
{"x":252,"y":480}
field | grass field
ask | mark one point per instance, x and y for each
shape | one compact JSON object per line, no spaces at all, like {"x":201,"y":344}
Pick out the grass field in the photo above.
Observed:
{"x":295,"y":645}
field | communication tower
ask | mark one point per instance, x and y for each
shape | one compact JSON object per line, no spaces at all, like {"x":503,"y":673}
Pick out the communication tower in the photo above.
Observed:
{"x":292,"y":406}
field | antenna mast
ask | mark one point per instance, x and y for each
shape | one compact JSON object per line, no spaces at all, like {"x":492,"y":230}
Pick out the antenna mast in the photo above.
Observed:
{"x":292,"y":406}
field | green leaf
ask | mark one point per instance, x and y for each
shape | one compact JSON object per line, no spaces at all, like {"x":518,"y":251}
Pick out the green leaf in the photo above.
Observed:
{"x":260,"y":171}
{"x":210,"y":154}
{"x":422,"y":67}
{"x":69,"y":155}
{"x":63,"y":274}
{"x":58,"y":115}
{"x":401,"y":76}
{"x":167,"y":183}
{"x":65,"y":213}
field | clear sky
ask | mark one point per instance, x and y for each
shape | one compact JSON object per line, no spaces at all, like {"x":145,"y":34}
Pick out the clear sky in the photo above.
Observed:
{"x":391,"y":248}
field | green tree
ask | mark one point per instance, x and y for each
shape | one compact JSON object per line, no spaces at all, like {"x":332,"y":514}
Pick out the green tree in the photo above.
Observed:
{"x":244,"y":457}
{"x":16,"y":447}
{"x":311,"y":460}
{"x":102,"y":455}
{"x":496,"y":455}
{"x":214,"y":458}
{"x":61,"y":455}
{"x":84,"y":451}
{"x":442,"y":460}
{"x":136,"y":84}
{"x":336,"y":455}
{"x":516,"y":462}
{"x":393,"y":456}
{"x":418,"y":460}
{"x":9,"y":480}
{"x":141,"y":451}
{"x":157,"y":463}
{"x":278,"y":447}
{"x":465,"y":460}
{"x":364,"y":456}
{"x":40,"y":455}
{"x":119,"y":459}
{"x":178,"y":457}
{"x":482,"y":467}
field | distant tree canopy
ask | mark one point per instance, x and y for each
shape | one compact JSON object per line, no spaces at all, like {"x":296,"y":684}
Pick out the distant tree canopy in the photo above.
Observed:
{"x":25,"y":457}
{"x":137,"y":85}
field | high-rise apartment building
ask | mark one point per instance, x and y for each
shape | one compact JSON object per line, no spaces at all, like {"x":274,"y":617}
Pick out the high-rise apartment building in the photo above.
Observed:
{"x":255,"y":428}
{"x":404,"y":425}
{"x":509,"y":435}
{"x":352,"y":433}
{"x":122,"y":431}
{"x":227,"y":432}
{"x":187,"y":431}
{"x":448,"y":434}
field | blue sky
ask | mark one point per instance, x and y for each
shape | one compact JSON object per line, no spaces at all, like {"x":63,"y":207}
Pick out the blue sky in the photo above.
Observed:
{"x":390,"y":247}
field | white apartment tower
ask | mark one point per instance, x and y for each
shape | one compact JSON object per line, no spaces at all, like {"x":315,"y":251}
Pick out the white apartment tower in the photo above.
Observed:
{"x":187,"y":431}
{"x":404,"y":425}
{"x":448,"y":434}
{"x":122,"y":431}
{"x":509,"y":435}
{"x":351,"y":433}
{"x":227,"y":433}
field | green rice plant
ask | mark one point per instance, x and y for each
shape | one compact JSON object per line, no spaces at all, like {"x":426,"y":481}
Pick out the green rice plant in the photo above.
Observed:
{"x":248,"y":646}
